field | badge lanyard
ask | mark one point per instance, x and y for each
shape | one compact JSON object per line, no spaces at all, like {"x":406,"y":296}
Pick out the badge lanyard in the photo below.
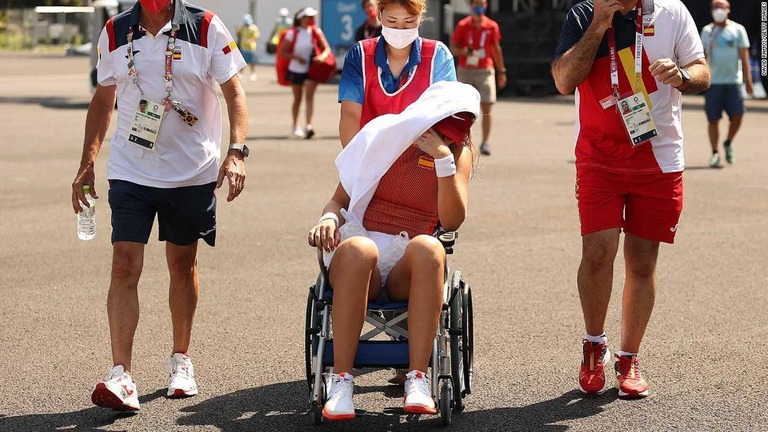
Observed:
{"x":638,"y":51}
{"x":169,"y":103}
{"x":482,"y":40}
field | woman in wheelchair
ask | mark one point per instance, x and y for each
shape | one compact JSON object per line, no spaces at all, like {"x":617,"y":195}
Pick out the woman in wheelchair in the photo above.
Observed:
{"x":392,"y":255}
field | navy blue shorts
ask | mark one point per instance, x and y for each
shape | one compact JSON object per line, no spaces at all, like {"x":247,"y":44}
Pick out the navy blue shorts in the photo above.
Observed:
{"x":184,"y":214}
{"x":297,"y":78}
{"x":721,"y":97}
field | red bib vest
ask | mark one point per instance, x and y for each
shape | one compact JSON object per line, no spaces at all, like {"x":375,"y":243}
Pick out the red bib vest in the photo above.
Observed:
{"x":406,"y":197}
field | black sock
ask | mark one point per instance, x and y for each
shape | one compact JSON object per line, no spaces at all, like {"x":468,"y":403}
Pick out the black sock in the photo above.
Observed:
{"x":727,"y":143}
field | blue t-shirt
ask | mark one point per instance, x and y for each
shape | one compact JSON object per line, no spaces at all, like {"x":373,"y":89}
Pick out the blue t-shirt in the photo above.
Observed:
{"x":351,"y":84}
{"x":722,"y":46}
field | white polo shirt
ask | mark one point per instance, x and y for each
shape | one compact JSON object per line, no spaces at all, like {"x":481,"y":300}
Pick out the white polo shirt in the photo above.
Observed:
{"x":205,"y":54}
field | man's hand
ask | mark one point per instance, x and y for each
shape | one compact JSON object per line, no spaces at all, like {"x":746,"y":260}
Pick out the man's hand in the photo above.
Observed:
{"x":502,"y":76}
{"x":233,"y":169}
{"x":604,"y":11}
{"x":750,"y":88}
{"x":666,"y":72}
{"x":85,"y":176}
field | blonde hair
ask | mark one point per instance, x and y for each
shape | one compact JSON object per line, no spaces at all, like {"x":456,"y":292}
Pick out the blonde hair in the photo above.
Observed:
{"x":413,"y":7}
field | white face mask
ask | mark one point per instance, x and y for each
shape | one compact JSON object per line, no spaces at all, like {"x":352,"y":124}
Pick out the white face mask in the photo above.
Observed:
{"x":399,"y":38}
{"x":719,"y":15}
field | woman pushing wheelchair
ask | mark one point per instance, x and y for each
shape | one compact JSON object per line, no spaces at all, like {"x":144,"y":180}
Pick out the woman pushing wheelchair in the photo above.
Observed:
{"x":400,"y":176}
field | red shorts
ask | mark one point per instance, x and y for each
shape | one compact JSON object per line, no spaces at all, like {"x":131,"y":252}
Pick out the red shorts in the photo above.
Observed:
{"x":644,"y":205}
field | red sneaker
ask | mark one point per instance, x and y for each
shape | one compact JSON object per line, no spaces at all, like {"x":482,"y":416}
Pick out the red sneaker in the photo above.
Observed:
{"x":592,"y":378}
{"x":631,"y":383}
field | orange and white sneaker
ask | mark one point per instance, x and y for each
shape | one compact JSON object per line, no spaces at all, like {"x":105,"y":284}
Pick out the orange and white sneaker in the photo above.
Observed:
{"x":340,"y":405}
{"x":592,"y":379}
{"x":418,"y":394}
{"x":629,"y":381}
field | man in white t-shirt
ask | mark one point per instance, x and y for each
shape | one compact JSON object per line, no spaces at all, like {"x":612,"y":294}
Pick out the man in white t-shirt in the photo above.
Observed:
{"x":163,"y":60}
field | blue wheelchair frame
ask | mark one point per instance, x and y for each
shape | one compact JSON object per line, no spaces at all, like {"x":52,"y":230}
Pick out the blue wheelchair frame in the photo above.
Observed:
{"x":452,"y":352}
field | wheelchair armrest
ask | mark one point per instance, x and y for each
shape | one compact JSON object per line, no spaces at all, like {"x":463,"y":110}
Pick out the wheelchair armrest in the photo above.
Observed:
{"x":448,"y":239}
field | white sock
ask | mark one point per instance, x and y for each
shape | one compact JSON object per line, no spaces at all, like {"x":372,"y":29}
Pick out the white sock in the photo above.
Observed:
{"x":603,"y":339}
{"x":624,"y":353}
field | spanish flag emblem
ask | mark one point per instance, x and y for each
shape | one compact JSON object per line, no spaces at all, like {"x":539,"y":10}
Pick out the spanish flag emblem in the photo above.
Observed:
{"x":426,"y":163}
{"x":649,"y":30}
{"x":230,"y":47}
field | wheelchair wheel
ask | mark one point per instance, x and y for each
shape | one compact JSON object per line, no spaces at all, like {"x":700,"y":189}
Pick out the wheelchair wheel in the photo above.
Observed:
{"x":468,"y":338}
{"x":445,"y":399}
{"x":311,"y":337}
{"x":457,"y":342}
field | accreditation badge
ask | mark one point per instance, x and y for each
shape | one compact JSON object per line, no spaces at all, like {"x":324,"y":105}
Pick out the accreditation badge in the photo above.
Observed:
{"x":146,"y":124}
{"x":480,"y":53}
{"x":473,"y":60}
{"x":637,"y":119}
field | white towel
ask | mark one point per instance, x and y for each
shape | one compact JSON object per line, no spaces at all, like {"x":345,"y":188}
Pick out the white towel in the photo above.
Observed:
{"x":379,"y":143}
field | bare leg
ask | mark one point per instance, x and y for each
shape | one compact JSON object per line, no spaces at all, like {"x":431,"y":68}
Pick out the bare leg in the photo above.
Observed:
{"x":639,"y":290}
{"x":734,"y":127}
{"x":487,"y":120}
{"x":714,"y":134}
{"x":183,"y":292}
{"x":123,"y":300}
{"x":310,"y":100}
{"x":298,"y":90}
{"x":595,"y":277}
{"x":355,"y":279}
{"x":418,"y":277}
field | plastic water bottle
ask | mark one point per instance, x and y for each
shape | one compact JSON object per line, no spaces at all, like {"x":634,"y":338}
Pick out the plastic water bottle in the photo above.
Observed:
{"x":86,"y":219}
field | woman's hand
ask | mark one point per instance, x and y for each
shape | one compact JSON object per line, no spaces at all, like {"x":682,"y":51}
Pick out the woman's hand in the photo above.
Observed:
{"x":321,"y":58}
{"x":301,"y":60}
{"x":325,"y":235}
{"x":432,"y":143}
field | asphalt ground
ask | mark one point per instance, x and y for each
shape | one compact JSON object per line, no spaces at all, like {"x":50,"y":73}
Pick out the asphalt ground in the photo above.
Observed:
{"x":704,"y":352}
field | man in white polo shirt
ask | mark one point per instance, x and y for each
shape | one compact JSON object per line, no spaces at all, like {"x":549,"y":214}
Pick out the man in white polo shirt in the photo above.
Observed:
{"x":163,"y":60}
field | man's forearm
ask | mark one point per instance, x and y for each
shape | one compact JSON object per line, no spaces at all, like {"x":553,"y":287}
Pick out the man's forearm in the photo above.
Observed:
{"x":238,"y":119}
{"x":96,"y":127}
{"x":573,"y":67}
{"x":498,"y":58}
{"x":700,"y":78}
{"x":746,"y":69}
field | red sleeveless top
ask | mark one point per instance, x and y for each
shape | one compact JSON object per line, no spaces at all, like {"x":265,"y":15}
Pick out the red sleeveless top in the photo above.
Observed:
{"x":406,"y":197}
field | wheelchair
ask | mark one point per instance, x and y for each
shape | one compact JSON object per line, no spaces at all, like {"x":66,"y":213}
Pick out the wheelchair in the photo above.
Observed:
{"x":452,"y":352}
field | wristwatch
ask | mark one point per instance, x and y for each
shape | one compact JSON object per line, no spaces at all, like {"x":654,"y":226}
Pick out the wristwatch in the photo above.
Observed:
{"x":686,"y":80}
{"x":242,"y":148}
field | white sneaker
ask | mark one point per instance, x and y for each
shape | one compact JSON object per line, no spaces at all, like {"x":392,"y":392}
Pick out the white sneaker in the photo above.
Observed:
{"x":714,"y":162}
{"x":298,"y":132}
{"x":182,"y":376}
{"x":418,"y":394}
{"x":253,"y":77}
{"x":118,"y":391}
{"x":339,"y":405}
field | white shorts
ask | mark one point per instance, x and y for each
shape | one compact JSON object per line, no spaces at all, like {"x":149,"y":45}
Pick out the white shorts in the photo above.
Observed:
{"x":391,"y":247}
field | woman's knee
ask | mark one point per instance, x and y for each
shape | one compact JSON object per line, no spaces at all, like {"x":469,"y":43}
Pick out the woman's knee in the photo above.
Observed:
{"x":425,"y":251}
{"x":360,"y":250}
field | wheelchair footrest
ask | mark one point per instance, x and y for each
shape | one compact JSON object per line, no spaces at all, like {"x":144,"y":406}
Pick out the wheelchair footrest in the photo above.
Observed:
{"x":375,"y":354}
